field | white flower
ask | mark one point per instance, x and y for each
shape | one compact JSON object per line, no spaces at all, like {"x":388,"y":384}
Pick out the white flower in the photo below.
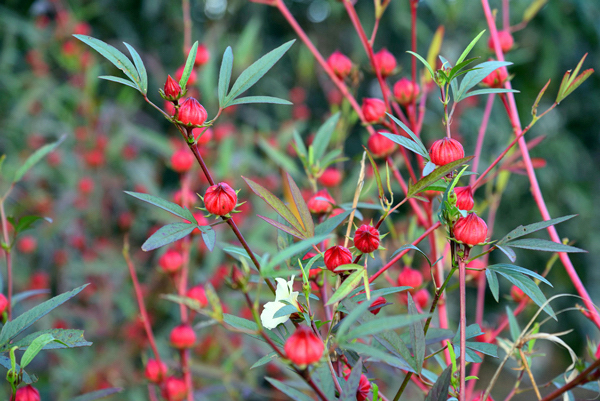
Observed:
{"x":284,"y":292}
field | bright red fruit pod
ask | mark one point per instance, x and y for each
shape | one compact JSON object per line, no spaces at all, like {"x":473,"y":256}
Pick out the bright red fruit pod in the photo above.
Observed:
{"x":411,"y":278}
{"x":464,"y":198}
{"x":380,"y":146}
{"x":155,"y":371}
{"x":377,"y":302}
{"x":406,"y":92}
{"x":470,"y":230}
{"x":446,"y":150}
{"x":182,"y":160}
{"x":331,"y":177}
{"x":171,"y":261}
{"x":3,"y":303}
{"x":340,"y":64}
{"x":183,"y":336}
{"x":220,"y":199}
{"x":321,"y":202}
{"x":366,"y":238}
{"x":337,"y":256}
{"x":191,"y":112}
{"x":174,"y":389}
{"x":192,"y":79}
{"x":506,"y":41}
{"x":27,"y":393}
{"x":172,"y":90}
{"x":496,"y":78}
{"x":479,"y":397}
{"x":199,"y":294}
{"x":385,"y":62}
{"x":303,"y":347}
{"x":364,"y":387}
{"x":373,"y":109}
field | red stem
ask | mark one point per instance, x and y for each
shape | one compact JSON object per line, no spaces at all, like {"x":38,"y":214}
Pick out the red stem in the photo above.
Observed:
{"x":481,"y":135}
{"x":8,"y":255}
{"x":463,"y":327}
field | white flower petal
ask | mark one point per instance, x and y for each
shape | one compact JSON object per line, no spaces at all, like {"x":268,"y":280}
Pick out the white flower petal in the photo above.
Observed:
{"x":267,"y":316}
{"x":283,"y":291}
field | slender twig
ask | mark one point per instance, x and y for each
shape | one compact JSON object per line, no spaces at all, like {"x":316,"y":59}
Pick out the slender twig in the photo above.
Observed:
{"x":8,"y":255}
{"x":526,"y":366}
{"x":187,"y":26}
{"x":481,"y":135}
{"x":580,"y":379}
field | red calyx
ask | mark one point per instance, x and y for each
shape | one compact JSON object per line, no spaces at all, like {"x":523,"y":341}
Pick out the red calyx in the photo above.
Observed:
{"x":380,"y":146}
{"x":191,"y":112}
{"x":220,"y":199}
{"x":27,"y":393}
{"x":464,"y":198}
{"x":470,"y":230}
{"x":321,"y":202}
{"x":446,"y":150}
{"x":174,"y":389}
{"x":171,"y":261}
{"x":366,"y":238}
{"x":303,"y":347}
{"x":385,"y":62}
{"x":337,"y":256}
{"x":340,"y":64}
{"x":405,"y":91}
{"x":198,"y":294}
{"x":172,"y":89}
{"x":373,"y":109}
{"x":183,"y":336}
{"x":411,"y":278}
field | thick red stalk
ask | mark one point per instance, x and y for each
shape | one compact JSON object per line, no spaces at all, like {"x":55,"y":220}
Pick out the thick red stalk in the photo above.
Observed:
{"x":463,"y":327}
{"x":482,"y":129}
{"x":535,"y":188}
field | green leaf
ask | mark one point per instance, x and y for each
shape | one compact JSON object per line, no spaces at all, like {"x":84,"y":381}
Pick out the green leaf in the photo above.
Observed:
{"x":378,"y":325}
{"x":114,"y":56}
{"x":249,"y":328}
{"x":537,"y":244}
{"x":380,"y":292}
{"x":434,"y":176}
{"x":27,"y":294}
{"x":411,"y":246}
{"x":36,"y":157}
{"x":347,"y":286}
{"x":300,"y":146}
{"x":289,"y":391}
{"x":456,"y":69}
{"x":141,"y":69}
{"x":96,"y":395}
{"x":378,"y":355}
{"x":189,"y":66}
{"x":283,"y":227}
{"x":35,"y":347}
{"x":256,"y":71}
{"x":285,"y":311}
{"x":5,"y":361}
{"x":508,"y":252}
{"x":259,"y":99}
{"x":68,"y":338}
{"x":22,"y":322}
{"x":423,"y":150}
{"x":517,"y":269}
{"x":515,"y":330}
{"x":405,"y":142}
{"x":425,"y":63}
{"x":484,"y":348}
{"x":165,"y":205}
{"x":492,"y":280}
{"x":575,"y":84}
{"x":209,"y":237}
{"x":322,"y":377}
{"x":530,"y":288}
{"x":225,"y":75}
{"x":280,"y":158}
{"x":119,"y":80}
{"x":531,"y":228}
{"x":265,"y":359}
{"x":26,"y":222}
{"x":439,"y":391}
{"x":472,"y":78}
{"x":289,"y":252}
{"x":488,"y":91}
{"x":167,"y":235}
{"x":323,"y":136}
{"x":350,"y":385}
{"x":416,"y":335}
{"x":330,"y":224}
{"x":305,"y":216}
{"x":466,"y":52}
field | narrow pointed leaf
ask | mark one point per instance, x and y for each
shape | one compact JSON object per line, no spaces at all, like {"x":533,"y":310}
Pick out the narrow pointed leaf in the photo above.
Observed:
{"x":543,"y":245}
{"x":434,"y":48}
{"x":530,"y":288}
{"x":515,"y":330}
{"x":416,"y":335}
{"x":189,"y":66}
{"x":139,"y":66}
{"x":376,"y":170}
{"x":6,"y":363}
{"x":323,"y":136}
{"x":531,"y":228}
{"x":563,"y":87}
{"x":492,"y":281}
{"x":410,"y":246}
{"x":305,"y":216}
{"x":517,"y":269}
{"x":290,"y":230}
{"x":165,"y":205}
{"x":380,"y":292}
{"x":378,"y":355}
{"x":122,"y":81}
{"x":167,"y":235}
{"x":293,"y":250}
{"x":439,"y":391}
{"x":300,"y":146}
{"x":405,"y":142}
{"x":225,"y":75}
{"x":265,"y":359}
{"x":347,"y":286}
{"x":488,"y":91}
{"x":577,"y":82}
{"x":331,"y":223}
{"x":466,"y":52}
{"x":291,"y":392}
{"x":68,"y":339}
{"x":35,"y":347}
{"x":434,"y":176}
{"x":415,"y":138}
{"x":209,"y":237}
{"x":350,"y":385}
{"x":425,"y":63}
{"x":259,"y":99}
{"x":472,"y":78}
{"x":35,"y":157}
{"x":508,"y":252}
{"x":385,"y":323}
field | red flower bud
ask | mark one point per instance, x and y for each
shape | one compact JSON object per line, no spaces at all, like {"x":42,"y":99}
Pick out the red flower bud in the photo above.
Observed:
{"x":155,"y":371}
{"x":446,"y":150}
{"x":373,"y":110}
{"x":464,"y":198}
{"x":479,"y":397}
{"x":182,"y":160}
{"x":380,"y":146}
{"x":3,"y":303}
{"x":470,"y":230}
{"x":220,"y":199}
{"x":487,"y":336}
{"x":331,"y":177}
{"x":496,"y":78}
{"x":191,"y":80}
{"x":366,"y":238}
{"x":86,"y":185}
{"x":199,"y":295}
{"x":27,"y":393}
{"x":340,"y":64}
{"x":172,"y":89}
{"x":202,"y":55}
{"x":336,"y":256}
{"x":506,"y":41}
{"x":517,"y":294}
{"x":174,"y":389}
{"x":303,"y":347}
{"x":405,"y":92}
{"x":364,"y":387}
{"x":385,"y":62}
{"x":411,"y":278}
{"x":171,"y":261}
{"x":377,"y":302}
{"x":321,"y":202}
{"x":191,"y":112}
{"x":183,"y":336}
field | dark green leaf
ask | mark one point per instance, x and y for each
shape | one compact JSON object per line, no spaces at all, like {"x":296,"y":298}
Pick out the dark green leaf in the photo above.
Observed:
{"x":141,"y":69}
{"x":384,"y":323}
{"x":456,"y":69}
{"x":167,"y":235}
{"x":323,"y":136}
{"x":416,"y":335}
{"x":488,"y":91}
{"x":405,"y":142}
{"x":249,"y":327}
{"x":291,"y":251}
{"x":22,"y":322}
{"x":70,"y":338}
{"x":330,"y":224}
{"x":484,"y":348}
{"x":259,"y":99}
{"x":347,"y":286}
{"x":512,"y":256}
{"x":283,"y":227}
{"x":96,"y":395}
{"x":165,"y":205}
{"x":26,"y":222}
{"x":285,"y":311}
{"x":27,"y":294}
{"x":256,"y":71}
{"x":472,"y":78}
{"x":225,"y":75}
{"x":265,"y":359}
{"x":189,"y":66}
{"x":517,"y":269}
{"x":410,"y":246}
{"x":289,"y":391}
{"x":531,"y":228}
{"x":350,"y":386}
{"x":439,"y":391}
{"x":36,"y":157}
{"x":380,"y":292}
{"x":435,"y":175}
{"x":492,"y":281}
{"x":537,"y":244}
{"x":378,"y":355}
{"x":322,"y":377}
{"x":515,"y":330}
{"x":119,"y":80}
{"x":529,"y":287}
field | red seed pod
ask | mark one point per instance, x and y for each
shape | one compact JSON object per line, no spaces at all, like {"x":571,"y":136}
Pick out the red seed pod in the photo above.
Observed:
{"x":506,"y":41}
{"x":220,"y":199}
{"x":464,"y":198}
{"x":411,"y":278}
{"x":373,"y":109}
{"x":174,"y":389}
{"x":199,"y":295}
{"x":405,"y":92}
{"x":336,"y":256}
{"x":470,"y":230}
{"x":331,"y":177}
{"x":183,"y":336}
{"x":191,"y":80}
{"x":171,"y":261}
{"x":154,"y":371}
{"x":27,"y":393}
{"x":172,"y":89}
{"x":479,"y":397}
{"x":364,"y":388}
{"x":380,"y":146}
{"x":377,"y":302}
{"x":202,"y":55}
{"x":303,"y":347}
{"x":191,"y":112}
{"x":597,"y":354}
{"x":182,"y":160}
{"x":366,"y":238}
{"x":340,"y":64}
{"x":321,"y":202}
{"x":3,"y":303}
{"x":496,"y":78}
{"x":517,"y":294}
{"x":446,"y":150}
{"x":385,"y":62}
